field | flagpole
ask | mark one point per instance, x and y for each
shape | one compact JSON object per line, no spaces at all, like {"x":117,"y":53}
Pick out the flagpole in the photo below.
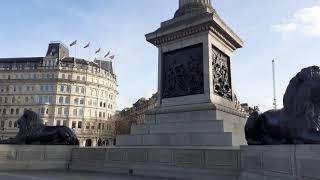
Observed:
{"x":75,"y":54}
{"x":89,"y":53}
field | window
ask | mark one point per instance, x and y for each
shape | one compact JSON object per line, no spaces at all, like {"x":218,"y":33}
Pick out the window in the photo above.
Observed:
{"x":15,"y":124}
{"x":63,"y":76}
{"x":67,"y":100}
{"x":4,"y":111}
{"x":99,"y":126}
{"x":75,"y":112}
{"x":62,"y":88}
{"x":47,"y":88}
{"x":12,"y":111}
{"x":69,"y":77}
{"x":74,"y":123}
{"x":26,"y":99}
{"x":65,"y":123}
{"x":59,"y":111}
{"x":83,"y":78}
{"x":100,"y":104}
{"x":68,"y":89}
{"x":58,"y":123}
{"x":66,"y":111}
{"x":50,"y":99}
{"x":17,"y":111}
{"x":77,"y":89}
{"x":76,"y":101}
{"x":78,"y":78}
{"x":2,"y":124}
{"x":82,"y":90}
{"x":81,"y":112}
{"x":79,"y":125}
{"x":82,"y":101}
{"x":10,"y":124}
{"x":61,"y":100}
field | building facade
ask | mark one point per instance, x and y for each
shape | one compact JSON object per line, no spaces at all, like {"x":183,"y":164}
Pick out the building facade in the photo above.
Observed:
{"x":63,"y":90}
{"x":134,"y":115}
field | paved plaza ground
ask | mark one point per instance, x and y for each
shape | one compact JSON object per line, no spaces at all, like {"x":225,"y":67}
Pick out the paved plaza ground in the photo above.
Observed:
{"x":51,"y":175}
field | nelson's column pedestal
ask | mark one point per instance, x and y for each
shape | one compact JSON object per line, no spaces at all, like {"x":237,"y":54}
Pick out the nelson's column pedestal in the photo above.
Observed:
{"x":195,"y":131}
{"x":196,"y":105}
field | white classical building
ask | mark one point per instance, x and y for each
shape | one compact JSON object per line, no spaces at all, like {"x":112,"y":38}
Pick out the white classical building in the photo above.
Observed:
{"x":63,"y":90}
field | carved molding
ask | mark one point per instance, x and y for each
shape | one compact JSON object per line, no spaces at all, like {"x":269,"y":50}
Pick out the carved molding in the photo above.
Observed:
{"x":205,"y":27}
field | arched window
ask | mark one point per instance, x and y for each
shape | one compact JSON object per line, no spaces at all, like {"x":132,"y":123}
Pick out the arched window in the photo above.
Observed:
{"x":10,"y":124}
{"x":88,"y":143}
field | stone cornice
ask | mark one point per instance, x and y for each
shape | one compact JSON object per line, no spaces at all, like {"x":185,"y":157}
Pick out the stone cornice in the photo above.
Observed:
{"x":182,"y":27}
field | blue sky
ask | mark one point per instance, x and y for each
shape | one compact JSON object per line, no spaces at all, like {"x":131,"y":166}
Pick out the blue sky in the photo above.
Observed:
{"x":286,"y":30}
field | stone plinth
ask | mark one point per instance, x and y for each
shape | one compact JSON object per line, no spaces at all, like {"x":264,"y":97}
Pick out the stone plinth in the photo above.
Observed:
{"x":289,"y":162}
{"x":185,"y":163}
{"x":16,"y":157}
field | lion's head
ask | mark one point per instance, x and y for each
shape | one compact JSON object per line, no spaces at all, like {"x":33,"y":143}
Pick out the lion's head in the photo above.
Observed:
{"x":29,"y":122}
{"x":302,"y":96}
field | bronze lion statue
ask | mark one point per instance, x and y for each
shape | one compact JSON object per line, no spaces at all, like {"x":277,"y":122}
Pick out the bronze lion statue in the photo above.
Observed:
{"x":32,"y":131}
{"x":299,"y":120}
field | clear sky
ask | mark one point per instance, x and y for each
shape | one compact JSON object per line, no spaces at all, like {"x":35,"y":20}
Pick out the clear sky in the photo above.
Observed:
{"x":286,"y":30}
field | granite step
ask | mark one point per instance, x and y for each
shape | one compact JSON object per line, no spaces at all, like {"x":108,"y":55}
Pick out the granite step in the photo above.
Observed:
{"x":180,"y":117}
{"x":178,"y":127}
{"x":177,"y":139}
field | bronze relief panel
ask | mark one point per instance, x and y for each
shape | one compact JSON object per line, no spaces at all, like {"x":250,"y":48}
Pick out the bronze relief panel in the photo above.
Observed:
{"x":182,"y":72}
{"x":221,"y":74}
